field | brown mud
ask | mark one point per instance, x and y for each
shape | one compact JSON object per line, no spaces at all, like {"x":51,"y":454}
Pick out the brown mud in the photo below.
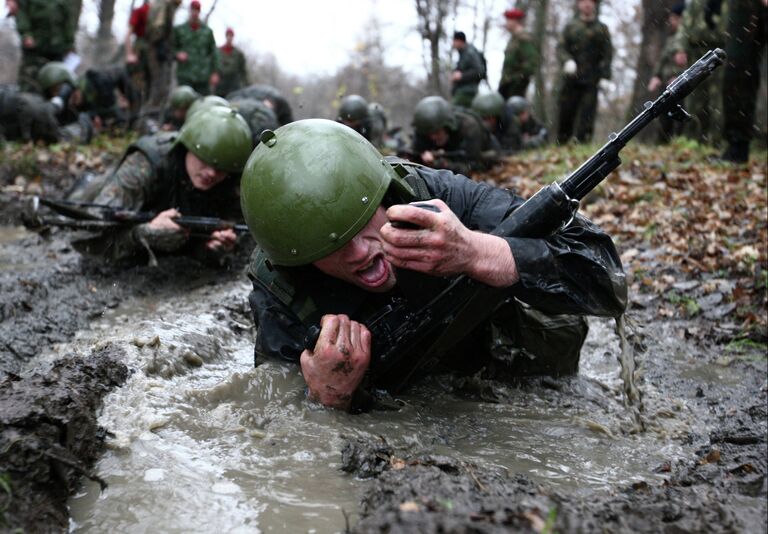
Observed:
{"x":50,"y":438}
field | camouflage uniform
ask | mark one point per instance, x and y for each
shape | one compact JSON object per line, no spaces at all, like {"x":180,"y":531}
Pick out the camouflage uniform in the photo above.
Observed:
{"x":258,"y":116}
{"x":50,"y":23}
{"x":667,"y":70}
{"x":472,"y":70}
{"x":266,"y":92}
{"x":28,"y":117}
{"x":203,"y":60}
{"x":152,"y":177}
{"x":98,"y":88}
{"x":518,"y":135}
{"x":746,"y":43}
{"x":232,"y":70}
{"x":520,"y":61}
{"x":700,"y":31}
{"x":470,"y":146}
{"x":588,"y":43}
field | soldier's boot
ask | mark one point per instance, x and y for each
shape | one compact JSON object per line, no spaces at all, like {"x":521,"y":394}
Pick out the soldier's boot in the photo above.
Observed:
{"x":737,"y":152}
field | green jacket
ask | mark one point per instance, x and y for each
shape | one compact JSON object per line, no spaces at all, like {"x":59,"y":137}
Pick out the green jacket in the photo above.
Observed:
{"x":200,"y":46}
{"x":589,"y":45}
{"x":231,"y":70}
{"x":27,"y":117}
{"x":666,"y":68}
{"x":472,"y":70}
{"x":50,"y":23}
{"x":520,"y":60}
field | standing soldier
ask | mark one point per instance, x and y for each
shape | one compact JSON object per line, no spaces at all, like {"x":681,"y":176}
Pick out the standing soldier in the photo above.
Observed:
{"x":159,"y":36}
{"x":746,"y":43}
{"x":670,"y":65}
{"x":469,"y":71}
{"x":699,"y":32}
{"x":520,"y":56}
{"x":197,"y":59}
{"x":232,"y":71}
{"x":585,"y":54}
{"x":47,"y":31}
{"x":136,"y":51}
{"x":448,"y":137}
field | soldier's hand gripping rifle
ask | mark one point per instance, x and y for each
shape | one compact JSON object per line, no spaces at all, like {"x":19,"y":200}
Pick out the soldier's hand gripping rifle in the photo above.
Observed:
{"x":89,"y":216}
{"x":406,"y":337}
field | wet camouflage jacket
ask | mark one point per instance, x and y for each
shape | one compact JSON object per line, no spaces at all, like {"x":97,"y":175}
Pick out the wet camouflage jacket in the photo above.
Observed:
{"x":266,"y":92}
{"x":258,"y":116}
{"x":50,"y":23}
{"x":232,"y":70}
{"x":575,"y":271}
{"x":470,"y":146}
{"x":472,"y":69}
{"x":588,"y":43}
{"x":152,"y":177}
{"x":200,"y":46}
{"x":520,"y":60}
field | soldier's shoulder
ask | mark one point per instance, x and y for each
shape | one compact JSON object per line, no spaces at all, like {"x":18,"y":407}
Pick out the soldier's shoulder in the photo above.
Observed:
{"x":525,"y":36}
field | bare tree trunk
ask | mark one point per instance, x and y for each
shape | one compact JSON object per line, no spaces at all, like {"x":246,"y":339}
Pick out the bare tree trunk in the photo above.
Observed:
{"x":539,"y":34}
{"x":210,"y":11}
{"x":103,"y":51}
{"x":654,"y":31}
{"x":77,"y":7}
{"x":431,"y":24}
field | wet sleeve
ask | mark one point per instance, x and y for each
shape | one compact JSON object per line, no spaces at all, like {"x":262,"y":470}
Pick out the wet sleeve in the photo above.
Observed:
{"x":279,"y":333}
{"x":576,"y":270}
{"x":129,"y":186}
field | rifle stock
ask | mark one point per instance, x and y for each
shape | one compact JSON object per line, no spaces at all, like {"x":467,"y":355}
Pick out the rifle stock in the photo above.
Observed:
{"x":407,"y":338}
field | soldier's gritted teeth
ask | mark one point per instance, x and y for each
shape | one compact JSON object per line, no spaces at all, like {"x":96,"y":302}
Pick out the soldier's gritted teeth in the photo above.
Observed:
{"x":361,"y":261}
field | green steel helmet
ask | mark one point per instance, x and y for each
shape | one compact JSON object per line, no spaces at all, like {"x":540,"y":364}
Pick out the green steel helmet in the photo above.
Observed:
{"x":433,"y":113}
{"x":310,"y":186}
{"x":207,"y":102}
{"x":353,"y":108}
{"x":53,"y":73}
{"x":517,"y":104}
{"x":219,"y":136}
{"x":183,"y":97}
{"x":488,"y":104}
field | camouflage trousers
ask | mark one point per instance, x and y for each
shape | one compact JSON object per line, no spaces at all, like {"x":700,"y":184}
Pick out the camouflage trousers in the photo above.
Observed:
{"x":577,"y":110}
{"x":462,"y":96}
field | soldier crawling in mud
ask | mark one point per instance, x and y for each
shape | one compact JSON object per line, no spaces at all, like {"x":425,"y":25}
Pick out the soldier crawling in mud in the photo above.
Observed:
{"x":355,"y":112}
{"x":512,"y":124}
{"x":450,"y":137}
{"x":192,"y":172}
{"x":337,"y":259}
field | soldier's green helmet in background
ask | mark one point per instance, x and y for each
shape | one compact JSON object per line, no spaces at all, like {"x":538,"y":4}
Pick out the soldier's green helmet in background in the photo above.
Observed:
{"x":207,"y":102}
{"x":219,"y":136}
{"x":310,"y":186}
{"x":517,"y":104}
{"x":183,"y":97}
{"x":488,"y":104}
{"x":353,"y":108}
{"x":53,"y":73}
{"x":433,"y":113}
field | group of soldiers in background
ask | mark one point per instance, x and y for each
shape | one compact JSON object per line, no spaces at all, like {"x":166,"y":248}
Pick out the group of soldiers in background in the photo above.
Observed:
{"x":475,"y":126}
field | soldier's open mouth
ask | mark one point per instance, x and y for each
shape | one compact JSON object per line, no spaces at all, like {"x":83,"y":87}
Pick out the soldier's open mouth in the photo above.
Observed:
{"x":376,"y":272}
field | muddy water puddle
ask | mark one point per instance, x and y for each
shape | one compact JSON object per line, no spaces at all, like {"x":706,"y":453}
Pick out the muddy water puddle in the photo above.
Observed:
{"x":202,"y":439}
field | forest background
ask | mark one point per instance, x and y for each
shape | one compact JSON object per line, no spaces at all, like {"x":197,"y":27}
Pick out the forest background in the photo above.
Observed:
{"x":396,"y":51}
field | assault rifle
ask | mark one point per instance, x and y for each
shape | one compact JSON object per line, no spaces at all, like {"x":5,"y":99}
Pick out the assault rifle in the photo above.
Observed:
{"x":90,"y":216}
{"x":407,"y":337}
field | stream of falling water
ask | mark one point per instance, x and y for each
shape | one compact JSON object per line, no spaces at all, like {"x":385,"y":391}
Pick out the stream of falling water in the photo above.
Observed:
{"x":201,"y":440}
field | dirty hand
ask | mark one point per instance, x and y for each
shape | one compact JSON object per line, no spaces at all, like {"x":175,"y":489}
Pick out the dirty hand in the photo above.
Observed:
{"x":131,"y":58}
{"x":443,"y":246}
{"x":222,"y":240}
{"x":336,"y":366}
{"x":29,"y":42}
{"x":181,"y":57}
{"x":427,"y":157}
{"x":164,"y":221}
{"x":456,"y":75}
{"x":214,"y":80}
{"x":570,"y":67}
